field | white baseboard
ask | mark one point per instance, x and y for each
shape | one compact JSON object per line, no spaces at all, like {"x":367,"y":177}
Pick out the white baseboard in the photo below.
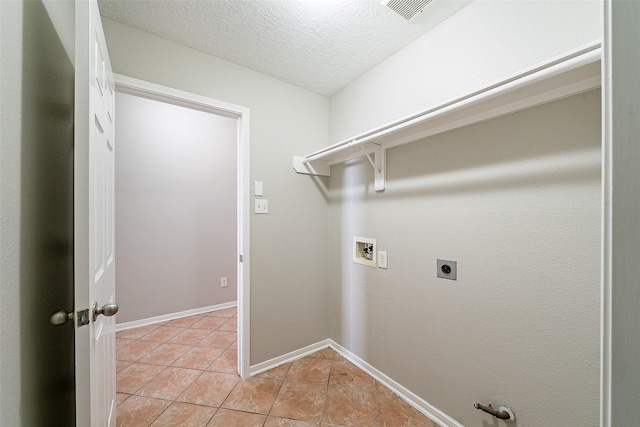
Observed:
{"x":289,"y":357}
{"x":165,"y":317}
{"x":405,"y":394}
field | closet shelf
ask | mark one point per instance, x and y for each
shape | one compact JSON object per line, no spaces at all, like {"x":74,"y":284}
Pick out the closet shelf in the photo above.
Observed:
{"x":574,"y":72}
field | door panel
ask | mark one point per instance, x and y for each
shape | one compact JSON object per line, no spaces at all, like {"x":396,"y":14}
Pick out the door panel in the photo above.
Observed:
{"x":94,"y":224}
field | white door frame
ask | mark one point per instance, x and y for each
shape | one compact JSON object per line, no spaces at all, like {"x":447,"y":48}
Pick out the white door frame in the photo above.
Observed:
{"x":169,"y":95}
{"x":620,"y":339}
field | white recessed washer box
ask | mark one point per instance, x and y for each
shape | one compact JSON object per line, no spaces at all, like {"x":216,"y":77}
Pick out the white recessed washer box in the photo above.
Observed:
{"x":364,"y":251}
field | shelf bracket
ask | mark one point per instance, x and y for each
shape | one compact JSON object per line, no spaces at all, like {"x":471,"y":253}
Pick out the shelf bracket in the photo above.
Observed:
{"x":379,"y":164}
{"x":380,"y":160}
{"x":314,"y":167}
{"x":366,"y":153}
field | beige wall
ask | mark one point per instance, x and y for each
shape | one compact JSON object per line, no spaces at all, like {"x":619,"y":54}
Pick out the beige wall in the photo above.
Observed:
{"x":175,"y":208}
{"x":288,"y":274}
{"x":516,"y":202}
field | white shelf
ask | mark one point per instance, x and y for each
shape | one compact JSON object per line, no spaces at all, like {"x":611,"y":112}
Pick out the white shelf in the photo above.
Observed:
{"x":574,"y":72}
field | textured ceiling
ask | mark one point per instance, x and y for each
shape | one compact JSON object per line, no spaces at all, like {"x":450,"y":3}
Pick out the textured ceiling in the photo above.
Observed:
{"x":320,"y":45}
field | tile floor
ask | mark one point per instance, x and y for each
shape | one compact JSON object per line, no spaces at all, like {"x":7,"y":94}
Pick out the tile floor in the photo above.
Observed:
{"x":183,"y":373}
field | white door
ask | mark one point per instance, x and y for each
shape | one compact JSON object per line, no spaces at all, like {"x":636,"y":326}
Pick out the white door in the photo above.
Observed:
{"x":94,"y":261}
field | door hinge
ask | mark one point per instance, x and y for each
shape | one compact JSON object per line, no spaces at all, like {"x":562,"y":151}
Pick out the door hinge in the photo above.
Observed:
{"x":240,"y":257}
{"x":82,"y":317}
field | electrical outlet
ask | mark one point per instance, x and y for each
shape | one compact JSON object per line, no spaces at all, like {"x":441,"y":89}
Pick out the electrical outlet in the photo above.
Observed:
{"x":223,"y":282}
{"x":262,"y":206}
{"x":447,"y":269}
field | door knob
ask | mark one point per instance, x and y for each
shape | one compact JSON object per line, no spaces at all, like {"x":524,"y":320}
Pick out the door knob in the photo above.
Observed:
{"x":109,"y":309}
{"x":60,"y":317}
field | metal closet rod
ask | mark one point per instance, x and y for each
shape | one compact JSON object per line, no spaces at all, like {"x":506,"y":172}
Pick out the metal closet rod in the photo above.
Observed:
{"x":333,"y":149}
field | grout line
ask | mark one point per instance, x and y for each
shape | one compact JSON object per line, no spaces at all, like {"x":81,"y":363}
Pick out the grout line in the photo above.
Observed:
{"x":277,"y":394}
{"x":163,"y":411}
{"x":326,"y":390}
{"x":375,"y":402}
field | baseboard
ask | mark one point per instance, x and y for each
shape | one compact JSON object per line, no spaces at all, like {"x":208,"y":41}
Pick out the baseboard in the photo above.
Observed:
{"x":405,"y":394}
{"x":289,"y":357}
{"x":172,"y":316}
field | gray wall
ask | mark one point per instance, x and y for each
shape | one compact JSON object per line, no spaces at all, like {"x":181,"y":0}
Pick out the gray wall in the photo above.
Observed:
{"x":516,"y":201}
{"x":175,"y":208}
{"x":288,"y":276}
{"x":36,"y":211}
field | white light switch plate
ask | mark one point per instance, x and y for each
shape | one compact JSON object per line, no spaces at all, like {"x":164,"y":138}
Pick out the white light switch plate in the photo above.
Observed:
{"x":262,"y":206}
{"x":259,"y":189}
{"x":382,"y":259}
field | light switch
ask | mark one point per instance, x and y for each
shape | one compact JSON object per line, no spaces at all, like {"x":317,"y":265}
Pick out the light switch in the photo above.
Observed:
{"x":382,"y":259}
{"x":259,"y":188}
{"x":262,"y":206}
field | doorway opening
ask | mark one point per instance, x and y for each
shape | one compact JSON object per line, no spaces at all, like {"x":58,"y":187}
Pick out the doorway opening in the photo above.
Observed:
{"x":224,"y":113}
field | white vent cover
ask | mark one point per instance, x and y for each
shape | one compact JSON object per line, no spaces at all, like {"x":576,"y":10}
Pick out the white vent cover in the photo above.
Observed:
{"x":406,"y":8}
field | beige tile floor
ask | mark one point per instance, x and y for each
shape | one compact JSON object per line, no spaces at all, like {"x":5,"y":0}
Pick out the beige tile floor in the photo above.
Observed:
{"x":183,"y":373}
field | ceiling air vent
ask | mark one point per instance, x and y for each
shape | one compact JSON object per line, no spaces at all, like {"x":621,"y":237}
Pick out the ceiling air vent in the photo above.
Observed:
{"x":406,"y":8}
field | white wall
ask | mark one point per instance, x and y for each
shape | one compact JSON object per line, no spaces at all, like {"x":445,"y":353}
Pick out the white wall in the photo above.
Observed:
{"x":485,"y":42}
{"x":175,"y":208}
{"x":288,"y":276}
{"x":516,"y":202}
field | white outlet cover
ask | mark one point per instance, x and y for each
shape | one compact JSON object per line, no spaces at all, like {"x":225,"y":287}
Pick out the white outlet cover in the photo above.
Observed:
{"x":262,"y":206}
